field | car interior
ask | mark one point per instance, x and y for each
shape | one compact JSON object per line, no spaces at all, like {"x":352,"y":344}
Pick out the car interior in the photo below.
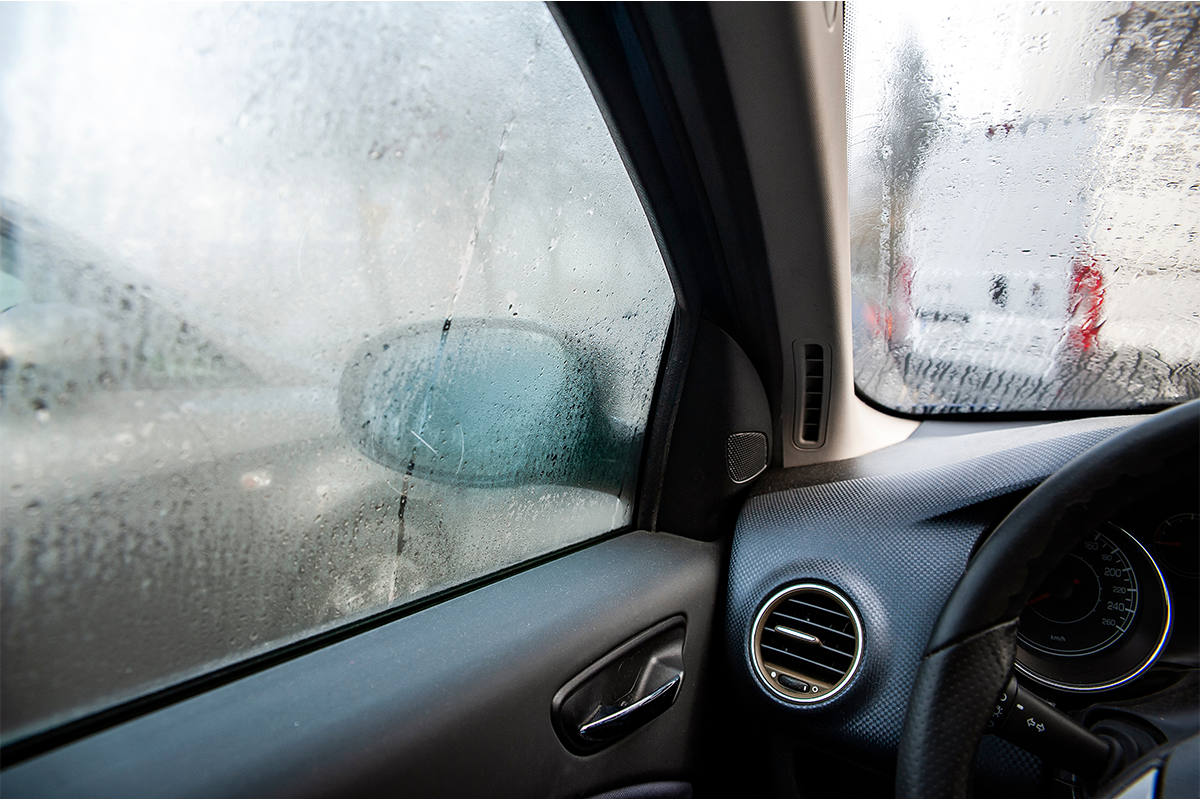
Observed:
{"x":814,"y":594}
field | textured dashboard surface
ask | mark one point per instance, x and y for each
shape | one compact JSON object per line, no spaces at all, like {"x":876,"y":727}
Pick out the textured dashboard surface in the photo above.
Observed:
{"x":895,"y":540}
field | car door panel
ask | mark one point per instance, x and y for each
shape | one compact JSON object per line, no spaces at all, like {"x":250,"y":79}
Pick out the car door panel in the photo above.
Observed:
{"x":454,"y":699}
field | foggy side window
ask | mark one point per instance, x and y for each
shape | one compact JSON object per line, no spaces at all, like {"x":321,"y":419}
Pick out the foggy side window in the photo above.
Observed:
{"x":306,"y":311}
{"x":1024,"y":204}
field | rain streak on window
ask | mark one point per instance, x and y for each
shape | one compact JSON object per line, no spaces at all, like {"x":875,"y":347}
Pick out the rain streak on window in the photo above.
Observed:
{"x":309,"y":310}
{"x":1025,"y":204}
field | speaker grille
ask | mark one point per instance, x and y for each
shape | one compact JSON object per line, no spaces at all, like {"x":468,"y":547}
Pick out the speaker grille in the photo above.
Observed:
{"x":745,"y":455}
{"x":807,"y":643}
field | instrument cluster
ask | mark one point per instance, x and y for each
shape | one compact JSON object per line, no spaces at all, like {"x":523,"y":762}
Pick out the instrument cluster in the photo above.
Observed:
{"x":1127,"y":599}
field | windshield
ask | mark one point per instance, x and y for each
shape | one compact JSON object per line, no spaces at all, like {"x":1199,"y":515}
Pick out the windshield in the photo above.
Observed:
{"x":1024,"y":205}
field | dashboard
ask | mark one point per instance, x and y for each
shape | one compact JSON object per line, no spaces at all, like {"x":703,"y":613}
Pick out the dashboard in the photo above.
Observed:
{"x":892,"y":531}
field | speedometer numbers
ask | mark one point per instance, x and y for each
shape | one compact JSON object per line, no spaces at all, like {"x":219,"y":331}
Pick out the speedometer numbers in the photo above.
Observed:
{"x":1099,"y":620}
{"x":1086,"y":604}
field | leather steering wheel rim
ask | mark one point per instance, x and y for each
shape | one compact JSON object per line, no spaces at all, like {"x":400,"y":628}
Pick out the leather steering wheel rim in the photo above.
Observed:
{"x":970,"y":654}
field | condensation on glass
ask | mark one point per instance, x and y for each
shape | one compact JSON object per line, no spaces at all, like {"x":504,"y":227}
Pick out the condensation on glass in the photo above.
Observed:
{"x":308,"y":310}
{"x":1024,"y":204}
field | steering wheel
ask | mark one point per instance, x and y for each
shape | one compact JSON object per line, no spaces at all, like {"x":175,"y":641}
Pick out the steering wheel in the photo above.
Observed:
{"x":971,"y":651}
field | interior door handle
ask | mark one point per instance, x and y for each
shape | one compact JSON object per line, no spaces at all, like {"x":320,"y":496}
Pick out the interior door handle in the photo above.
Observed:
{"x":613,"y":722}
{"x":623,"y":690}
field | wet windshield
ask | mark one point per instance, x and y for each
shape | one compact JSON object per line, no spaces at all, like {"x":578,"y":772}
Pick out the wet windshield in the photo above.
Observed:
{"x":1024,"y":204}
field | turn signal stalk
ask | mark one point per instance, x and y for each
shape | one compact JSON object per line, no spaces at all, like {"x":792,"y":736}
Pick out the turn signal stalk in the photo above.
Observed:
{"x":1032,"y":724}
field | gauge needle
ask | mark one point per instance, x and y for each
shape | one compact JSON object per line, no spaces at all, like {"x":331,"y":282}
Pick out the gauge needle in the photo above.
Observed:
{"x":1044,"y":595}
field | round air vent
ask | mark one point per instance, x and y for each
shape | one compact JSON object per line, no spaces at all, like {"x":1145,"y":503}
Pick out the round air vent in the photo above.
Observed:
{"x":807,"y":643}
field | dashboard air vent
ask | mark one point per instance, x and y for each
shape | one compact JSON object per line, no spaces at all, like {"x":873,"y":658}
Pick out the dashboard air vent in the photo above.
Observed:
{"x":812,"y":394}
{"x":807,"y":643}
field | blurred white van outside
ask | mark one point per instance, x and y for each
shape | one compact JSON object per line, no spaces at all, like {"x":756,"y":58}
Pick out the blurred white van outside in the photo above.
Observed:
{"x":1000,"y":271}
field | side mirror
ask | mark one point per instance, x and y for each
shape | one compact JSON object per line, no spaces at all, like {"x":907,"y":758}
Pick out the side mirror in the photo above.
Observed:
{"x":484,"y":402}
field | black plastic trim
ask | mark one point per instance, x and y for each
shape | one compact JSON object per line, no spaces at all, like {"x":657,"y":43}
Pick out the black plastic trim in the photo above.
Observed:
{"x":739,"y":290}
{"x":723,"y":395}
{"x":660,"y":424}
{"x":1046,"y":415}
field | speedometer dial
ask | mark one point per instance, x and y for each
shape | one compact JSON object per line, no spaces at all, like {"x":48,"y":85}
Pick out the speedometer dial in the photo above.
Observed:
{"x":1099,"y":620}
{"x":1087,"y":603}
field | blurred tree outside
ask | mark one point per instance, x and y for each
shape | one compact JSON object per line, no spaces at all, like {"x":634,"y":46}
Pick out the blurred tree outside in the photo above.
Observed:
{"x":906,"y":129}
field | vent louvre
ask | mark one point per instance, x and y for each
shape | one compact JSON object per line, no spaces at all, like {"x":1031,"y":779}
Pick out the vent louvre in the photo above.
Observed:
{"x":812,"y":395}
{"x":807,"y":642}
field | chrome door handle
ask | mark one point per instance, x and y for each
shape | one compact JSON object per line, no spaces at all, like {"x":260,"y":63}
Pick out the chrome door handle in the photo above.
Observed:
{"x":622,"y":690}
{"x":610,"y":722}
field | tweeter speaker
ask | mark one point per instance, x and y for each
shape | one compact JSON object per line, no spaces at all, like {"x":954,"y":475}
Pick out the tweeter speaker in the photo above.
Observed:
{"x":746,"y":455}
